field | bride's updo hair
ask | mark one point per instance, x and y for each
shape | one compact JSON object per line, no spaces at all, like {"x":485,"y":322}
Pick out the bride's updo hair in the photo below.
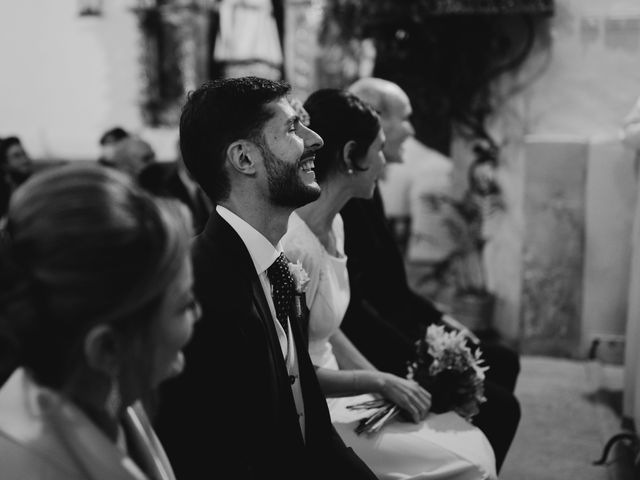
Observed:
{"x":82,"y":245}
{"x":338,"y":116}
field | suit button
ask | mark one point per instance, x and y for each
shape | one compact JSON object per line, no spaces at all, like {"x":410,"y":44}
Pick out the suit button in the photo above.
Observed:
{"x":292,"y":379}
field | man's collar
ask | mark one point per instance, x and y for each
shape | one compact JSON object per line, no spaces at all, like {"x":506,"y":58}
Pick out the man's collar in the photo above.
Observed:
{"x":262,"y":252}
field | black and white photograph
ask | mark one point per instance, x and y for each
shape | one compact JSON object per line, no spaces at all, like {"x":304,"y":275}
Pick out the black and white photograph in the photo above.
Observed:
{"x":320,"y":239}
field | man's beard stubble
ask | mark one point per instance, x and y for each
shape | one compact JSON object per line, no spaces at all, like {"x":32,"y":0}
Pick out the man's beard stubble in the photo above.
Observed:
{"x":286,"y":189}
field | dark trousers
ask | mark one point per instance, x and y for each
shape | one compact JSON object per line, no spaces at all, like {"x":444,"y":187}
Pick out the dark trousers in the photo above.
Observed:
{"x":498,"y":419}
{"x":499,"y":416}
{"x":504,"y":364}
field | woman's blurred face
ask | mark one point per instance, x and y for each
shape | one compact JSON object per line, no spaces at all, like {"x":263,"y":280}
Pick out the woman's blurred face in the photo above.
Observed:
{"x":173,"y":327}
{"x":364,"y":181}
{"x":18,"y":162}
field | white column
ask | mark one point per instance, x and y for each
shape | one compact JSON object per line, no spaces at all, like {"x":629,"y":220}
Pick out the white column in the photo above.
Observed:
{"x":631,"y":399}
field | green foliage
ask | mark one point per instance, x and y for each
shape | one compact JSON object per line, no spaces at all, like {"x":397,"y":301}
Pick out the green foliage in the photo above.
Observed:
{"x":445,"y":53}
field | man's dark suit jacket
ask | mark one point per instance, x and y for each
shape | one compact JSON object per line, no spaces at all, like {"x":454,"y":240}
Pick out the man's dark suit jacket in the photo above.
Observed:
{"x":231,"y":414}
{"x":383,"y":308}
{"x":385,"y":317}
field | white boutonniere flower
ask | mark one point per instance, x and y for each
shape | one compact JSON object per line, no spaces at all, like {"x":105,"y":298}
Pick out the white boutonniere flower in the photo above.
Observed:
{"x":300,"y":276}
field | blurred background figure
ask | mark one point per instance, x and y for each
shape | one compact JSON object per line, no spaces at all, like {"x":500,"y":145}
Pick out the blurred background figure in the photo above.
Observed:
{"x":108,"y":141}
{"x":446,"y":232}
{"x":86,"y":264}
{"x":15,"y":167}
{"x":173,"y":180}
{"x":384,"y":309}
{"x":348,"y":166}
{"x":546,"y":81}
{"x":630,"y":130}
{"x":248,"y":39}
{"x":131,"y":155}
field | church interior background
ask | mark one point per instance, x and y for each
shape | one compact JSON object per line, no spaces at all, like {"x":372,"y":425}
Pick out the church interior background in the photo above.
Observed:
{"x":563,"y":258}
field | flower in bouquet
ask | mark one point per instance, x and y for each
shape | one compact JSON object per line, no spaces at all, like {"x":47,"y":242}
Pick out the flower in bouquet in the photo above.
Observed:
{"x":300,"y":276}
{"x":446,"y":366}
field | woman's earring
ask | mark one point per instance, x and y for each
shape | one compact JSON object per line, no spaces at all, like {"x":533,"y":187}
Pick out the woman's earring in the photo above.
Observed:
{"x":114,"y":400}
{"x":350,"y":171}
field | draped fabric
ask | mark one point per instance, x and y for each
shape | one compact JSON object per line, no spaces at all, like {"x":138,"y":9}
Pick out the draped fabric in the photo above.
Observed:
{"x":248,"y":42}
{"x":444,"y":446}
{"x":43,"y":435}
{"x":449,"y":7}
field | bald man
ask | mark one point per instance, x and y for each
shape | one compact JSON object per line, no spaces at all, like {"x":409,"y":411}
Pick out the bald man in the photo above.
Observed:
{"x":131,"y":155}
{"x":394,"y":107}
{"x":385,"y":317}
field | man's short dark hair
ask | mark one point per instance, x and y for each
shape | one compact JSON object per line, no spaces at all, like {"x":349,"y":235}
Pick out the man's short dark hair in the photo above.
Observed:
{"x":217,"y":114}
{"x":113,"y":135}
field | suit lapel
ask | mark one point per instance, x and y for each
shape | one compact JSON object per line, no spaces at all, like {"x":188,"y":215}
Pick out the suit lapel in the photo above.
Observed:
{"x":260,"y":300}
{"x":219,"y":232}
{"x":143,"y":440}
{"x":224,"y":237}
{"x":264,"y":312}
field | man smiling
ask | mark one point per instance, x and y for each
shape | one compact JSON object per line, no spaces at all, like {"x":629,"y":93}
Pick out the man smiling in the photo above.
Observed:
{"x":249,"y":385}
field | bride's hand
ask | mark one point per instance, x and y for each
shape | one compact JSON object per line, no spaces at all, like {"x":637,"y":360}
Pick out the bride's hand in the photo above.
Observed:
{"x":407,"y":394}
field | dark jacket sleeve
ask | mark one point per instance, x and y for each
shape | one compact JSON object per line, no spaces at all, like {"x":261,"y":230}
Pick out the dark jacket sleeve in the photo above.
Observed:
{"x":230,"y":414}
{"x":213,"y":401}
{"x":385,"y":316}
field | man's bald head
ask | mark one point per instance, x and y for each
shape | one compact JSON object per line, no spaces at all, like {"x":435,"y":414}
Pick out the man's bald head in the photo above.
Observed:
{"x":377,"y":92}
{"x":395,"y":109}
{"x":131,"y":155}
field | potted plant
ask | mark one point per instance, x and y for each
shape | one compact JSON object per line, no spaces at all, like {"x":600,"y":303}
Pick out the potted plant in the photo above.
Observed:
{"x":472,"y":303}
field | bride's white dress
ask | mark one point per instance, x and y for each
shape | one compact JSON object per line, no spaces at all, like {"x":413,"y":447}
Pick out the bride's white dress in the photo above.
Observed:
{"x":444,"y":446}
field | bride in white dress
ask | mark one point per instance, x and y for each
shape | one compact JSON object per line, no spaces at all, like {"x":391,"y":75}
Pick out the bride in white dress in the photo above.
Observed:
{"x":432,"y":446}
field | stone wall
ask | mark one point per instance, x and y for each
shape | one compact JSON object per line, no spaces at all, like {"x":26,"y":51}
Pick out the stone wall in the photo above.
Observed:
{"x":559,"y":261}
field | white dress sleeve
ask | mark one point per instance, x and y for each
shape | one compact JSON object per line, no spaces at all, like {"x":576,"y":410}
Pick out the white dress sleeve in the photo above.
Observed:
{"x":445,"y":446}
{"x":300,"y":244}
{"x":327,"y":294}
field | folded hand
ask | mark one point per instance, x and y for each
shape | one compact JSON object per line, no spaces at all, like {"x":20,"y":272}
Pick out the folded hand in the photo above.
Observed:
{"x":407,"y":394}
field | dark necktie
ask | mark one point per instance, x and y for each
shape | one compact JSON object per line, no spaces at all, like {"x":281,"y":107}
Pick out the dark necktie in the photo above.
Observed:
{"x":283,"y":284}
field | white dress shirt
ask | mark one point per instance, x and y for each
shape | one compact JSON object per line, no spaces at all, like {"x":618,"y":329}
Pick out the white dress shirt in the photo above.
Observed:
{"x":263,"y":254}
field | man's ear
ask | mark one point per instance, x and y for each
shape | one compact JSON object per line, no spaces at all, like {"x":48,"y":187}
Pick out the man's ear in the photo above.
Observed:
{"x":103,"y":349}
{"x":241,"y":156}
{"x":347,"y":155}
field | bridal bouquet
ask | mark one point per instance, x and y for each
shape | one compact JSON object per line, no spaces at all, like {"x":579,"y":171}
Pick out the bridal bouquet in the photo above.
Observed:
{"x":450,"y":371}
{"x":446,"y":367}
